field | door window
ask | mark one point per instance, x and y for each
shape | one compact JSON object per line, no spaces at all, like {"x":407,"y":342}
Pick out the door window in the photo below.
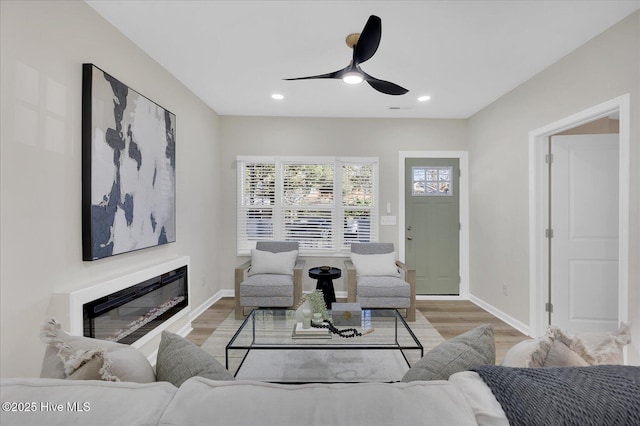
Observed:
{"x":432,"y":181}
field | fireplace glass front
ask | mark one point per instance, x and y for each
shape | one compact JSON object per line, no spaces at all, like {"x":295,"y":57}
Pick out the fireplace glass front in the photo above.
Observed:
{"x":127,"y":315}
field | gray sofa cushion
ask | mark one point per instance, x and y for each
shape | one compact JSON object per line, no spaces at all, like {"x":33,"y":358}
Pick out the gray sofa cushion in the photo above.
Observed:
{"x":469,"y":350}
{"x":277,"y":246}
{"x":267,"y":285}
{"x":178,"y":360}
{"x":376,"y":286}
{"x":372,"y":248}
{"x":92,"y":402}
{"x":202,"y":402}
{"x":267,"y":302}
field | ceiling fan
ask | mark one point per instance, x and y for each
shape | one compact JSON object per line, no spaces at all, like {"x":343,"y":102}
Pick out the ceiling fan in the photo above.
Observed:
{"x":364,"y":45}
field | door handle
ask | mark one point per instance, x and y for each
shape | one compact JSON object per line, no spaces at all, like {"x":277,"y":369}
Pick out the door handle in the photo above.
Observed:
{"x":409,"y":237}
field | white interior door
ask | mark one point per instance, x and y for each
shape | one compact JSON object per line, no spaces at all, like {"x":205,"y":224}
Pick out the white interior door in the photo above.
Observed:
{"x":584,"y":219}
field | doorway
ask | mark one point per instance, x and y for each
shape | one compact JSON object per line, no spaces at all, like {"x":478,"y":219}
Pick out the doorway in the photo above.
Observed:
{"x":432,"y":214}
{"x":456,"y":285}
{"x":577,"y":309}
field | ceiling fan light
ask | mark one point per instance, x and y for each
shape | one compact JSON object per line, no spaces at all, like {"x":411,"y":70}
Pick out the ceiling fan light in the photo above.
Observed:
{"x":352,"y":77}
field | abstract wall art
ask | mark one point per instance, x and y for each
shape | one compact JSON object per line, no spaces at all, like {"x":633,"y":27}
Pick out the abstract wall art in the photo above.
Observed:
{"x":128,"y":168}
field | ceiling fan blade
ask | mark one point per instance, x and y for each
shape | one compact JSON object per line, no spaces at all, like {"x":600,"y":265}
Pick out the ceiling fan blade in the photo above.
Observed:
{"x":369,"y":40}
{"x":383,"y":86}
{"x":335,"y":74}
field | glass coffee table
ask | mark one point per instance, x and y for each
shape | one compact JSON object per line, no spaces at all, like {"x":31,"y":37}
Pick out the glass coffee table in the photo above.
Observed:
{"x":264,"y":348}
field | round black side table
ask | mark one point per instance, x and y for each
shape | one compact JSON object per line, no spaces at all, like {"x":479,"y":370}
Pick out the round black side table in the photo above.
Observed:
{"x":325,"y":277}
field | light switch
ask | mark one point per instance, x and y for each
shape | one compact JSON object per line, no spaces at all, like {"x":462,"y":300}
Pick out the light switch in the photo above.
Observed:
{"x":387,"y":220}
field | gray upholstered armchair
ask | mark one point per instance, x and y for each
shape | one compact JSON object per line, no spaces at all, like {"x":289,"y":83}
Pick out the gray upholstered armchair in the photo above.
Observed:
{"x":271,"y":279}
{"x":374,"y":279}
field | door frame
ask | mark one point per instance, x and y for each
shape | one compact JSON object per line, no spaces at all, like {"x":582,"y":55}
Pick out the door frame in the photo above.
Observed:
{"x":538,"y":207}
{"x":463,"y":184}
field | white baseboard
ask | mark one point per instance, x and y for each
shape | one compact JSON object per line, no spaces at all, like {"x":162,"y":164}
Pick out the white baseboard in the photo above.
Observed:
{"x":443,"y":297}
{"x":518,"y":325}
{"x":208,"y":303}
{"x":521,"y":327}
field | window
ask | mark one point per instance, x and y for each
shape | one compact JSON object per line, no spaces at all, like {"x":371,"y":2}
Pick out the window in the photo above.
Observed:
{"x":430,"y":181}
{"x":323,"y":203}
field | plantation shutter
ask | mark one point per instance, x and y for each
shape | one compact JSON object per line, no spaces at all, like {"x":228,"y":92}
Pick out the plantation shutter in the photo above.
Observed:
{"x":308,"y":204}
{"x":359,"y":207}
{"x":256,"y":203}
{"x":324,"y":203}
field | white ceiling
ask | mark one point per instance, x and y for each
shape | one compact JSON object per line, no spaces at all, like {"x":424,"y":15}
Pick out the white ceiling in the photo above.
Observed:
{"x":464,"y":54}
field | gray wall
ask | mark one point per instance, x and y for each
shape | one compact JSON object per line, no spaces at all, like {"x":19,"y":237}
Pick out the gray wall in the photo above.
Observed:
{"x":382,"y":138}
{"x":43,"y":47}
{"x":40,"y":222}
{"x":604,"y":68}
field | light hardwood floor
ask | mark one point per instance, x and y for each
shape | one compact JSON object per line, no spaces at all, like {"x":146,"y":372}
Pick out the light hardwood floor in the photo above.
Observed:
{"x":450,"y":318}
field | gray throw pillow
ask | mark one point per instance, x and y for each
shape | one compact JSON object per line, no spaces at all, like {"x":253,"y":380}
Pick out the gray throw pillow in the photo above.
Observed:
{"x":179,"y":359}
{"x":469,"y":350}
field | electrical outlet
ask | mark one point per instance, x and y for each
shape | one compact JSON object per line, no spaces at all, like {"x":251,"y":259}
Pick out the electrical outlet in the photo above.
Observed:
{"x":505,"y":290}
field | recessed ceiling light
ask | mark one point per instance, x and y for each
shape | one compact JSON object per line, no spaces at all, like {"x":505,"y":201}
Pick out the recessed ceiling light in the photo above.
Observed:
{"x":424,"y":98}
{"x":277,"y":96}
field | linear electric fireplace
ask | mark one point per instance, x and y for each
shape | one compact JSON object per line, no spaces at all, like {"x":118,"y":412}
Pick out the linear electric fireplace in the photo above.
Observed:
{"x":127,"y":315}
{"x":133,"y":308}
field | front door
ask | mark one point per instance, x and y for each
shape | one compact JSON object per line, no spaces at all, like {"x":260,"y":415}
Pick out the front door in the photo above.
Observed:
{"x":432,"y":208}
{"x":584,"y":219}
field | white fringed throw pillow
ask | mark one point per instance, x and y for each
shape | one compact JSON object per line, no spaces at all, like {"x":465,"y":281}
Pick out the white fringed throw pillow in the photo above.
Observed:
{"x":559,"y":348}
{"x":84,"y":358}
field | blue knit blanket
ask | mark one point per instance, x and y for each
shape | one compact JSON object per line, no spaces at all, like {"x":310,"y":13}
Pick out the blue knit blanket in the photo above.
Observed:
{"x":598,"y":395}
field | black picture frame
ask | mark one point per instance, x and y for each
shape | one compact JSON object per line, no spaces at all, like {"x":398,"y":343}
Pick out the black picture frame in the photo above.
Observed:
{"x":128,"y":168}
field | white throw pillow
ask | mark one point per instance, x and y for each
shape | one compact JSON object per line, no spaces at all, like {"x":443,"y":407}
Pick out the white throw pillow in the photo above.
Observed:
{"x":375,"y":264}
{"x":559,"y":348}
{"x":607,"y":346}
{"x":519,"y":355}
{"x":85,"y":358}
{"x":265,"y":262}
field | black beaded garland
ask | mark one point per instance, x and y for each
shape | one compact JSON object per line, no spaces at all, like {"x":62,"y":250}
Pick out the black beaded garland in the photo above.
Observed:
{"x":346,"y":332}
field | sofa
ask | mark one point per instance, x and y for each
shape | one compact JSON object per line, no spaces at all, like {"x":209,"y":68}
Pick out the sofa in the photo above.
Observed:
{"x":200,"y":401}
{"x":454,"y":384}
{"x":464,"y":399}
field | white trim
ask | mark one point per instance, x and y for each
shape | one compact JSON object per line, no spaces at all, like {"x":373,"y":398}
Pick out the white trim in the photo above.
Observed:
{"x":520,"y":326}
{"x":537,"y":181}
{"x":463,"y":157}
{"x":209,"y":303}
{"x":436,"y":297}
